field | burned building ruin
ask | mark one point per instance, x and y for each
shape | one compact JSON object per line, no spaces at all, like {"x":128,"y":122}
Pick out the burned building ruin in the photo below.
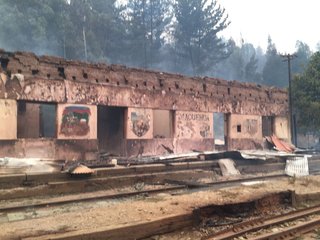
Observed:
{"x":70,"y":110}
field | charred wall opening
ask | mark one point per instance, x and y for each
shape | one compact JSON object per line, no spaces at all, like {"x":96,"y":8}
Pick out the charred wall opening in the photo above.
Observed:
{"x":36,"y":120}
{"x":111,"y":129}
{"x":267,"y":125}
{"x":163,"y":124}
{"x":227,"y":117}
{"x":48,"y":126}
{"x":220,"y":131}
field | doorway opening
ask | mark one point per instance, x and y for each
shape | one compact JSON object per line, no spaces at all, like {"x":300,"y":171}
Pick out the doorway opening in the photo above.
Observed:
{"x":111,"y":129}
{"x":267,"y":125}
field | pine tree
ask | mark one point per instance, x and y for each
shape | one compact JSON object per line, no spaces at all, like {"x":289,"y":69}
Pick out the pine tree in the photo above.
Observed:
{"x":241,"y":65}
{"x":275,"y":71}
{"x":101,"y":20}
{"x":303,"y":54}
{"x":146,"y":24}
{"x":197,"y":43}
{"x":306,"y":97}
{"x":31,"y":25}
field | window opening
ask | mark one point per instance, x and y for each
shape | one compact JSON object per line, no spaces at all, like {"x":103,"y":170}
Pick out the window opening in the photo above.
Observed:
{"x":219,"y":128}
{"x":162,"y":123}
{"x":238,"y":128}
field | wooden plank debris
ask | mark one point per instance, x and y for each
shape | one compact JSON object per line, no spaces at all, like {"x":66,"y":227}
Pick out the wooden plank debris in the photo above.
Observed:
{"x":189,"y":184}
{"x":228,"y":168}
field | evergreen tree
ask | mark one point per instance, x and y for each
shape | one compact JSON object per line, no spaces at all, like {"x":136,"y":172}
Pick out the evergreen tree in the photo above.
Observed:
{"x":98,"y":22}
{"x":251,"y":70}
{"x":241,"y":65}
{"x":306,"y":97}
{"x":159,"y":18}
{"x":303,"y":54}
{"x":146,"y":24}
{"x":31,"y":25}
{"x":136,"y":39}
{"x":237,"y":63}
{"x":197,"y":43}
{"x":275,"y":71}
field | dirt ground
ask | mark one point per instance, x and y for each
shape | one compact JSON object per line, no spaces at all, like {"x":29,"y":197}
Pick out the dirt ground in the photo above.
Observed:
{"x":92,"y":215}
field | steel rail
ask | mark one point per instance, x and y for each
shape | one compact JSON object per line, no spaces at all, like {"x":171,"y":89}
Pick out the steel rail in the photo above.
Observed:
{"x":291,"y":232}
{"x":78,"y":199}
{"x":254,"y":225}
{"x":183,"y":186}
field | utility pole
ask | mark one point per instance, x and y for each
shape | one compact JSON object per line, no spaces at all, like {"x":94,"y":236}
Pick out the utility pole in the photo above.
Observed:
{"x":288,"y":58}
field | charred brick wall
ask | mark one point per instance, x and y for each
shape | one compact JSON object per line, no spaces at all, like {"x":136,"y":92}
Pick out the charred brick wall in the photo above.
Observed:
{"x":52,"y":79}
{"x":44,"y":79}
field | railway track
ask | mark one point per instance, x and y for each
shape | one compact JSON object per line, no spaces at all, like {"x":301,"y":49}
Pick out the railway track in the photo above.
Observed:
{"x":174,"y":174}
{"x":246,"y":167}
{"x":286,"y":232}
{"x":156,"y":226}
{"x":29,"y":185}
{"x":178,"y":186}
{"x":85,"y":198}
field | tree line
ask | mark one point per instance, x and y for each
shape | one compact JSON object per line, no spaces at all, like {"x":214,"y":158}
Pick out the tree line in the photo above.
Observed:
{"x":177,"y":36}
{"x":184,"y":36}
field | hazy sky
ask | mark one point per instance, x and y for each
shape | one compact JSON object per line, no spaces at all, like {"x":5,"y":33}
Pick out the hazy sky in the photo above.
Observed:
{"x":286,"y":21}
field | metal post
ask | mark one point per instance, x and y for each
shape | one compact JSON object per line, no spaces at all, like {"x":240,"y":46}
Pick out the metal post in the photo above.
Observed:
{"x":288,"y":58}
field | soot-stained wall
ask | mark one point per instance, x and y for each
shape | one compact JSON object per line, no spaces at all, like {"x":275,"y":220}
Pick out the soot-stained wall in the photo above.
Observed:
{"x":51,"y":79}
{"x":68,"y":84}
{"x":281,"y":127}
{"x":193,"y":125}
{"x":8,"y":119}
{"x":245,"y":132}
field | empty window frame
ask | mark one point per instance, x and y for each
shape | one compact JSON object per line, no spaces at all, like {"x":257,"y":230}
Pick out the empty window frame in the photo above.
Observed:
{"x":48,"y":116}
{"x":219,"y":128}
{"x":162,"y":124}
{"x":36,"y":120}
{"x":267,"y":125}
